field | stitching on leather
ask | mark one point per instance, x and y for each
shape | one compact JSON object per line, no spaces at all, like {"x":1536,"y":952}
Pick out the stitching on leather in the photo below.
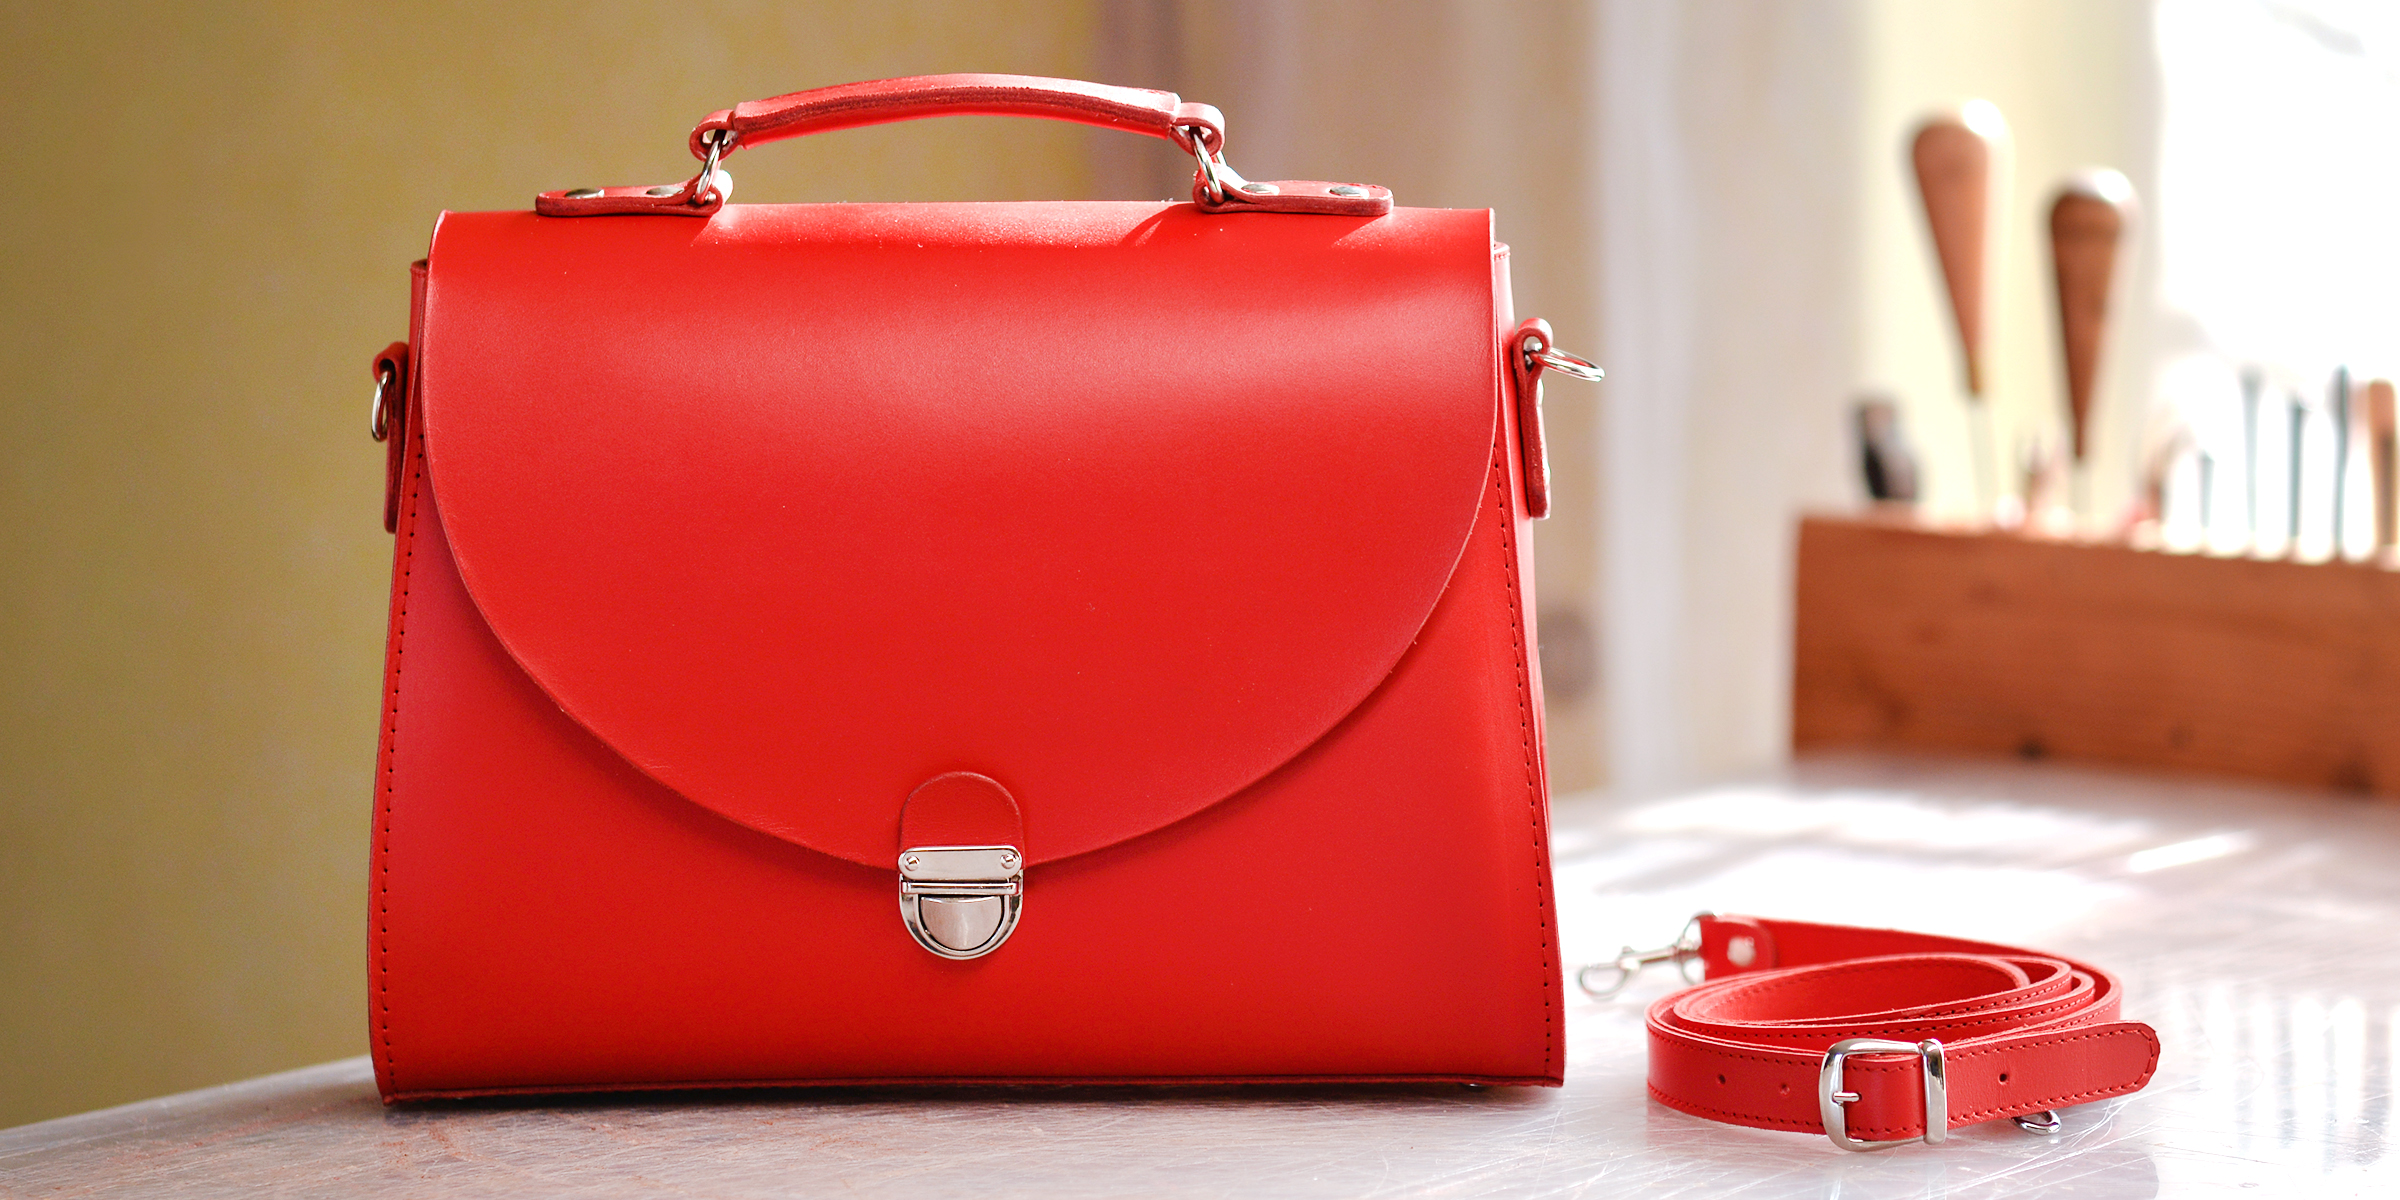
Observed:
{"x":2149,"y":1068}
{"x":1812,"y":975}
{"x":1533,"y":789}
{"x":2027,"y":1105}
{"x":414,"y":469}
{"x":1956,"y":1056}
{"x":1740,"y":1117}
{"x":1716,"y":1054}
{"x":2002,"y":1007}
{"x":2022,"y":1017}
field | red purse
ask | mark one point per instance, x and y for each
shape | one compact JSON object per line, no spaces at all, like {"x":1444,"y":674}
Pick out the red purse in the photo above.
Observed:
{"x":1074,"y":642}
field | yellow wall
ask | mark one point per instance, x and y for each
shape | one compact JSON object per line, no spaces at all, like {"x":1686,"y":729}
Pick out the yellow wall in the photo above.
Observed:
{"x":213,"y":212}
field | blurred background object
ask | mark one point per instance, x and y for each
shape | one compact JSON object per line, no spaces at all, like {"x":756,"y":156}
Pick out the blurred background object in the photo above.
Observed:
{"x":1886,"y":463}
{"x":2088,"y":219}
{"x":1717,"y":197}
{"x":1762,"y":259}
{"x":1961,"y":158}
{"x":2278,"y":133}
{"x":2383,"y":457}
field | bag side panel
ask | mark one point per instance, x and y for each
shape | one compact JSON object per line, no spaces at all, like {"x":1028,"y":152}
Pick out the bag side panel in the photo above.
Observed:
{"x":1519,"y":456}
{"x":548,"y":918}
{"x":405,"y":484}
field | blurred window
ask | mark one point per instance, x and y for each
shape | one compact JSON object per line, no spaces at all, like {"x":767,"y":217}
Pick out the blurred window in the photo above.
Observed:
{"x":2279,"y":181}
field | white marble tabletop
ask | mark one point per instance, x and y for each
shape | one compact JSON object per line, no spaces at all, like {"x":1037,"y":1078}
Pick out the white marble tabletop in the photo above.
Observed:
{"x":2254,"y":927}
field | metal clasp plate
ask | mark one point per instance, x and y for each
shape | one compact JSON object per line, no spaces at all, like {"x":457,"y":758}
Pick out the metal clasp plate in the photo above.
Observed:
{"x":1831,"y":1096}
{"x":961,"y":901}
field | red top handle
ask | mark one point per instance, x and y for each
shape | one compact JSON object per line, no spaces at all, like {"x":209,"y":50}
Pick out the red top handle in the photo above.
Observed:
{"x":851,"y":105}
{"x":1199,"y":129}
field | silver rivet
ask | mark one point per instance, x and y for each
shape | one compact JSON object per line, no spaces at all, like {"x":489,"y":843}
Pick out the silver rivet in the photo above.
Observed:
{"x":1348,"y":192}
{"x":910,"y":862}
{"x":1259,"y":189}
{"x":583,"y":193}
{"x":662,"y":190}
{"x":1008,"y":861}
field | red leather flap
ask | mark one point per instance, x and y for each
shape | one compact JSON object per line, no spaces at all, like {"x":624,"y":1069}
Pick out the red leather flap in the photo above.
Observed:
{"x":1120,"y":505}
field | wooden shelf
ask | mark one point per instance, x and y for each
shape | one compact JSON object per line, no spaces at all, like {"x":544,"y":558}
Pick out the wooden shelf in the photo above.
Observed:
{"x":1994,"y":643}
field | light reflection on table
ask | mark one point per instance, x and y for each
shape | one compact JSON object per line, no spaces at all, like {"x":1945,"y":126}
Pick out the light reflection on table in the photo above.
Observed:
{"x":2253,"y":927}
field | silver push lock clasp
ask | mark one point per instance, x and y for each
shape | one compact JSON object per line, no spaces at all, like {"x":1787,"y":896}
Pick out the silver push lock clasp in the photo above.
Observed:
{"x":961,"y":901}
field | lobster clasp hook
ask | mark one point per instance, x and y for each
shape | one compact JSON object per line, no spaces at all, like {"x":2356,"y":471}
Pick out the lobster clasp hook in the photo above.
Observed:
{"x":1684,"y":952}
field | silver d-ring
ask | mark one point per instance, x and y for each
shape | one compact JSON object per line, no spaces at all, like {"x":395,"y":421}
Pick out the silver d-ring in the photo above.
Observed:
{"x":704,"y":185}
{"x":1211,"y":184}
{"x":1687,"y":950}
{"x":1574,"y":366}
{"x":379,"y":424}
{"x":2045,"y":1122}
{"x":1197,"y":136}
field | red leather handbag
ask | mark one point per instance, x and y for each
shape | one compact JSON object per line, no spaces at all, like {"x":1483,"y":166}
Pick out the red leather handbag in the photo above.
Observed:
{"x":857,"y":643}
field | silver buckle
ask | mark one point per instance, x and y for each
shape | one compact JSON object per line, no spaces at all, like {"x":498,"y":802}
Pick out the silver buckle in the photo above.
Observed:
{"x":1831,"y":1097}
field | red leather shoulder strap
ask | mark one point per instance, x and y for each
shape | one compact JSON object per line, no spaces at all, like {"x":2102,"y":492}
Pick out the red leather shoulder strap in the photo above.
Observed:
{"x":2021,"y":1031}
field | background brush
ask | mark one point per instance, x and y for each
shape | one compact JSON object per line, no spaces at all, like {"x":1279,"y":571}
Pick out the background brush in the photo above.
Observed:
{"x":2253,"y":381}
{"x":1884,"y":457}
{"x":2337,"y":405}
{"x":2291,"y":542}
{"x":2087,"y":221}
{"x":1960,"y":161}
{"x":2383,"y":444}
